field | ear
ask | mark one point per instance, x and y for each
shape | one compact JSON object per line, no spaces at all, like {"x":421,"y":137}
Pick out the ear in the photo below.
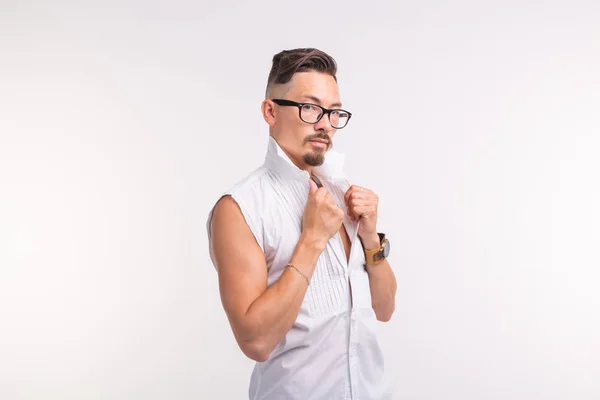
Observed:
{"x":268,"y":111}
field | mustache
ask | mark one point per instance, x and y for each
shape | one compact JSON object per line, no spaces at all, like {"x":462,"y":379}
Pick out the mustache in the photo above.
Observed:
{"x":321,"y":136}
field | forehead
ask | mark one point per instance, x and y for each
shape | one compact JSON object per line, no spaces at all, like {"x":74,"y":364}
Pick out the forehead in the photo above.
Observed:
{"x":307,"y":85}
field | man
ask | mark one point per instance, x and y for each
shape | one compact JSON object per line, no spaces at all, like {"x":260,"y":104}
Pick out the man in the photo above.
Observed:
{"x":303,"y":274}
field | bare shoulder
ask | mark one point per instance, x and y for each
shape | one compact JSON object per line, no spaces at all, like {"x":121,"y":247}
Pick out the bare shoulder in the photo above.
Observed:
{"x":228,"y":224}
{"x":226,"y":212}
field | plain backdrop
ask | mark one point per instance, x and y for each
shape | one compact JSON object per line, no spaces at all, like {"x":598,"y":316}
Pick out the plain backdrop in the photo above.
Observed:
{"x":121,"y":122}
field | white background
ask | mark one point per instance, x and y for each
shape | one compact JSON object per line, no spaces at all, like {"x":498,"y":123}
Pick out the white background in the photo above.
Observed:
{"x":121,"y":123}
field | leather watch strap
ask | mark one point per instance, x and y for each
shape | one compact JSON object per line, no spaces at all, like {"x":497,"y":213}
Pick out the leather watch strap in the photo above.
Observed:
{"x":374,"y":256}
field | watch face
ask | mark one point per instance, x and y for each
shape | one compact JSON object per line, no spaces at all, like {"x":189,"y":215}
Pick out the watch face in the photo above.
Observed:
{"x":386,"y":249}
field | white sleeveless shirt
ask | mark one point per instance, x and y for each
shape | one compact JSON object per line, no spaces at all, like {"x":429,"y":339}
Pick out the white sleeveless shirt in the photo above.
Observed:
{"x":331,"y":352}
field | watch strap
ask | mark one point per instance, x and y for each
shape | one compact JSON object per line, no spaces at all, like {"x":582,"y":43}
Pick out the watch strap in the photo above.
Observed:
{"x":375,"y":256}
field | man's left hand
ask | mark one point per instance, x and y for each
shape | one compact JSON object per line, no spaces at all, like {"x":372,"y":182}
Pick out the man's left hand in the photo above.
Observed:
{"x":362,"y":204}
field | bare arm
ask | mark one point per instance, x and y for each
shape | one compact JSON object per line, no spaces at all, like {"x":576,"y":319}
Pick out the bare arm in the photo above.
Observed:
{"x":259,"y":316}
{"x":382,"y":283}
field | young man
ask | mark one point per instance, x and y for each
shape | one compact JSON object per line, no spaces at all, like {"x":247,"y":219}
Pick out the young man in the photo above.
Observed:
{"x":303,"y":274}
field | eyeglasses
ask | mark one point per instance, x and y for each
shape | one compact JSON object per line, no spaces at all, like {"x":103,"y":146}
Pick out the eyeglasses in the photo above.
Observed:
{"x":312,"y":113}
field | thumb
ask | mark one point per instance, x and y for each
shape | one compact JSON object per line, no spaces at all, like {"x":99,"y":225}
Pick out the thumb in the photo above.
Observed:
{"x":313,"y":186}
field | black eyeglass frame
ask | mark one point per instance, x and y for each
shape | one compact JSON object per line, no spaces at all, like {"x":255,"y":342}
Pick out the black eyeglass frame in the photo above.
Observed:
{"x":283,"y":102}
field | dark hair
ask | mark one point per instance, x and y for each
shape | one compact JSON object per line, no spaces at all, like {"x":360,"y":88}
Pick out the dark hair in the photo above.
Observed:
{"x":288,"y":62}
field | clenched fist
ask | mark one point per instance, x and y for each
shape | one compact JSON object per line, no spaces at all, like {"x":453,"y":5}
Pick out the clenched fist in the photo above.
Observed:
{"x":362,"y":204}
{"x":322,"y":216}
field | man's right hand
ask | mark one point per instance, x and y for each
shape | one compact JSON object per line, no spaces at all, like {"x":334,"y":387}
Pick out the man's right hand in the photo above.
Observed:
{"x":322,"y":216}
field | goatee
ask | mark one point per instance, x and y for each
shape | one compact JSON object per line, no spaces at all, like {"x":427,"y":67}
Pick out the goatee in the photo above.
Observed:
{"x":314,"y":159}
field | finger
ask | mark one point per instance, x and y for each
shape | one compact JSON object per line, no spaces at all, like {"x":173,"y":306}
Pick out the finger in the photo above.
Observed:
{"x":357,"y":202}
{"x":352,"y":213}
{"x":322,"y":193}
{"x":360,"y":203}
{"x":364,"y":211}
{"x":354,"y":216}
{"x":313,"y":186}
{"x":358,"y":192}
{"x":349,"y":192}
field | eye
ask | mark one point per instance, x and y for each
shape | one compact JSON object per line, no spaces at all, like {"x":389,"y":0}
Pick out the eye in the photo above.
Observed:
{"x":309,"y":107}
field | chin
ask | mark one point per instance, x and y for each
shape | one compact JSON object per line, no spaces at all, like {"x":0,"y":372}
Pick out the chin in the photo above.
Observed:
{"x":314,"y":159}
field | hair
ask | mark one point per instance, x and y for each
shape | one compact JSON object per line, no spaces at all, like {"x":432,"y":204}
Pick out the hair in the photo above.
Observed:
{"x":288,"y":62}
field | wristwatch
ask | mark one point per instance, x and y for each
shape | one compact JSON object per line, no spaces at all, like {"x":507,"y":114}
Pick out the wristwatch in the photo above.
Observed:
{"x":376,"y":256}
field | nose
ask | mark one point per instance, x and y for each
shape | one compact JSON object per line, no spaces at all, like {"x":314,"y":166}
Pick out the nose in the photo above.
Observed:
{"x":323,"y":125}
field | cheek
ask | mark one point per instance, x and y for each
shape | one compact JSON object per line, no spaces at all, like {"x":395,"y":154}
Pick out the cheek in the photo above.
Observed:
{"x":301,"y":132}
{"x":292,"y":124}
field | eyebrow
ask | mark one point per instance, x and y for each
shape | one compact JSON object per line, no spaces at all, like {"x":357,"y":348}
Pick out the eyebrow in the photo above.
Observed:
{"x":317,"y":100}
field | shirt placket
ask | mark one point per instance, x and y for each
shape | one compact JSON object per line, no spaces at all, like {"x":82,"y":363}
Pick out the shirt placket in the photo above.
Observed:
{"x":351,"y":388}
{"x":353,"y":334}
{"x":353,"y":356}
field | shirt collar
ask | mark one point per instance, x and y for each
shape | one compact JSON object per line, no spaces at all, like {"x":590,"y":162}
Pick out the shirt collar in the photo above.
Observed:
{"x":331,"y":169}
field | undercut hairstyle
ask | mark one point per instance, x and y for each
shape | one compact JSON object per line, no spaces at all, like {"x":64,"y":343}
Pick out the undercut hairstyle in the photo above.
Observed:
{"x":289,"y":62}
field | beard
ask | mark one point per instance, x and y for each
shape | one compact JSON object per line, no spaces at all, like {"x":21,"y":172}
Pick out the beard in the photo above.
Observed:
{"x":314,"y":159}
